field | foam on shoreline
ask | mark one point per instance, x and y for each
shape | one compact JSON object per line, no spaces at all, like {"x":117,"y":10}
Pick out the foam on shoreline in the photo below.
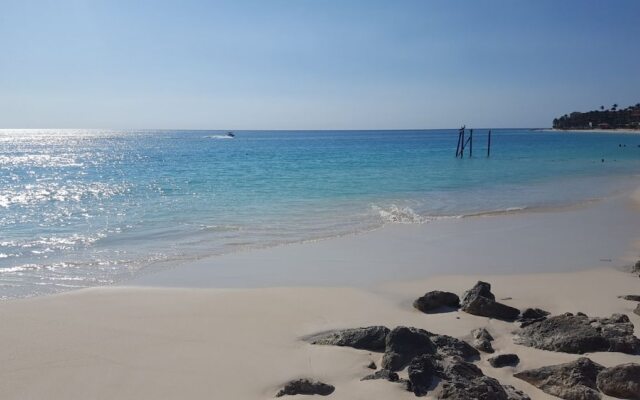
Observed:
{"x":594,"y":234}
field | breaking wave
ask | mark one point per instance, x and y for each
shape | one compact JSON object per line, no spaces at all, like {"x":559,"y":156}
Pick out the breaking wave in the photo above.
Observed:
{"x":399,"y":215}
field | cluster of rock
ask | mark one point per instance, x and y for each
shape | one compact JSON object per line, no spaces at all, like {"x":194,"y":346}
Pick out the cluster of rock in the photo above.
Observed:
{"x":437,"y":363}
{"x":441,"y":365}
{"x":457,"y":378}
{"x":579,"y":334}
{"x":584,"y":379}
{"x":477,"y":301}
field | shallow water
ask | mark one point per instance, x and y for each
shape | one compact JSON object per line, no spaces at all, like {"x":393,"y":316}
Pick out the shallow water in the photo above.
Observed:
{"x":82,"y":207}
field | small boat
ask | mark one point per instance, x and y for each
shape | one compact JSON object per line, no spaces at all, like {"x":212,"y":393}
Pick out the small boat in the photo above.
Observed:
{"x":231,"y":134}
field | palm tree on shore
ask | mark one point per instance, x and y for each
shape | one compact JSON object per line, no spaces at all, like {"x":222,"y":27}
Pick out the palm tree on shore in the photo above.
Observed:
{"x":601,"y":108}
{"x":614,"y":107}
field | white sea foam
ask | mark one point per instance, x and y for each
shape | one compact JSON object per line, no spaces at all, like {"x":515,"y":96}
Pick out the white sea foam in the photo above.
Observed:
{"x":399,"y":215}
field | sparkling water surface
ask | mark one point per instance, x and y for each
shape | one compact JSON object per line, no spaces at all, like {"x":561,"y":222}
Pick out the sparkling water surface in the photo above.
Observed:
{"x":82,"y":208}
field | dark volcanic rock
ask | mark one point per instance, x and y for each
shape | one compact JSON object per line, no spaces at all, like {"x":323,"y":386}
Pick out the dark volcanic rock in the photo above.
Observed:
{"x":370,"y":338}
{"x":636,"y":267}
{"x":480,"y":301}
{"x":421,"y":373}
{"x":305,"y":386}
{"x":481,"y":388}
{"x":515,"y":394}
{"x":482,"y":340}
{"x":482,"y":289}
{"x":580,"y":334}
{"x":571,"y":381}
{"x":382,"y":374}
{"x":453,"y":368}
{"x":450,"y":346}
{"x":504,"y":360}
{"x":458,"y":380}
{"x":531,"y":315}
{"x":403,"y":344}
{"x":372,"y":365}
{"x":465,"y":381}
{"x":622,"y":381}
{"x":631,"y":297}
{"x":484,"y":307}
{"x":437,"y":301}
{"x":637,"y":310}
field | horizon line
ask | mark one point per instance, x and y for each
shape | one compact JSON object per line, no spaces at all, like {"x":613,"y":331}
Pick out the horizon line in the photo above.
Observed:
{"x":274,"y":130}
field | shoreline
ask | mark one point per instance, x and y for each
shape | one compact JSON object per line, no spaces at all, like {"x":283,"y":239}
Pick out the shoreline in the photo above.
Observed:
{"x":562,"y":239}
{"x":620,"y":191}
{"x":629,"y":191}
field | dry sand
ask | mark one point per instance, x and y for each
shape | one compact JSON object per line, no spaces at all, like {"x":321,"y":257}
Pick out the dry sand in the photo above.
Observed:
{"x":202,"y":342}
{"x":146,"y":343}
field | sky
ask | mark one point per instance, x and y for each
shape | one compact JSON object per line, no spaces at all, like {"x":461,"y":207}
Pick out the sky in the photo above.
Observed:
{"x":313,"y":64}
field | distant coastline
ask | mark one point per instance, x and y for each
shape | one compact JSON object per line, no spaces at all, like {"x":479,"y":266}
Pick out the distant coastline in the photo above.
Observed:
{"x":577,"y":130}
{"x":601,"y":120}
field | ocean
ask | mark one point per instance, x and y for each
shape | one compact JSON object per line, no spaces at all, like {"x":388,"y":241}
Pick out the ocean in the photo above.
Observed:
{"x":81,"y":208}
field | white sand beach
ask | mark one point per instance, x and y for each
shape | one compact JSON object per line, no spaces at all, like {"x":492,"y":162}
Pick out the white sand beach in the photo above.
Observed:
{"x":253,"y":200}
{"x":182,"y":334}
{"x":158,"y":343}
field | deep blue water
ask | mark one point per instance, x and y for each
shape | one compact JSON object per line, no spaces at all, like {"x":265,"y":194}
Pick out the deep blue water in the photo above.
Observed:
{"x":82,"y":208}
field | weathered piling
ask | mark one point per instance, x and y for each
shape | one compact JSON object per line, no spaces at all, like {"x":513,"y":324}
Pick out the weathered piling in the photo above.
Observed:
{"x":464,"y":142}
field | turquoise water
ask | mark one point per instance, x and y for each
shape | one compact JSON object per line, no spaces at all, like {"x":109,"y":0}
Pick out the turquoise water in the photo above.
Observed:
{"x":82,"y":208}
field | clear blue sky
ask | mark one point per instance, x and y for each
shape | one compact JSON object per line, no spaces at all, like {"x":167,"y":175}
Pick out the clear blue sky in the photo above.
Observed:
{"x":313,"y":64}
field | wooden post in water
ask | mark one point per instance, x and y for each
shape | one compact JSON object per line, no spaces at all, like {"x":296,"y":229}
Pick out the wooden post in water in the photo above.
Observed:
{"x":458,"y":146}
{"x":489,"y":144}
{"x":471,"y":143}
{"x":462,"y":145}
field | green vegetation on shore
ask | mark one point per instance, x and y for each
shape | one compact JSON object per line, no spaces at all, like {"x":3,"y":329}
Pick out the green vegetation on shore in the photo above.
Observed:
{"x":613,"y":118}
